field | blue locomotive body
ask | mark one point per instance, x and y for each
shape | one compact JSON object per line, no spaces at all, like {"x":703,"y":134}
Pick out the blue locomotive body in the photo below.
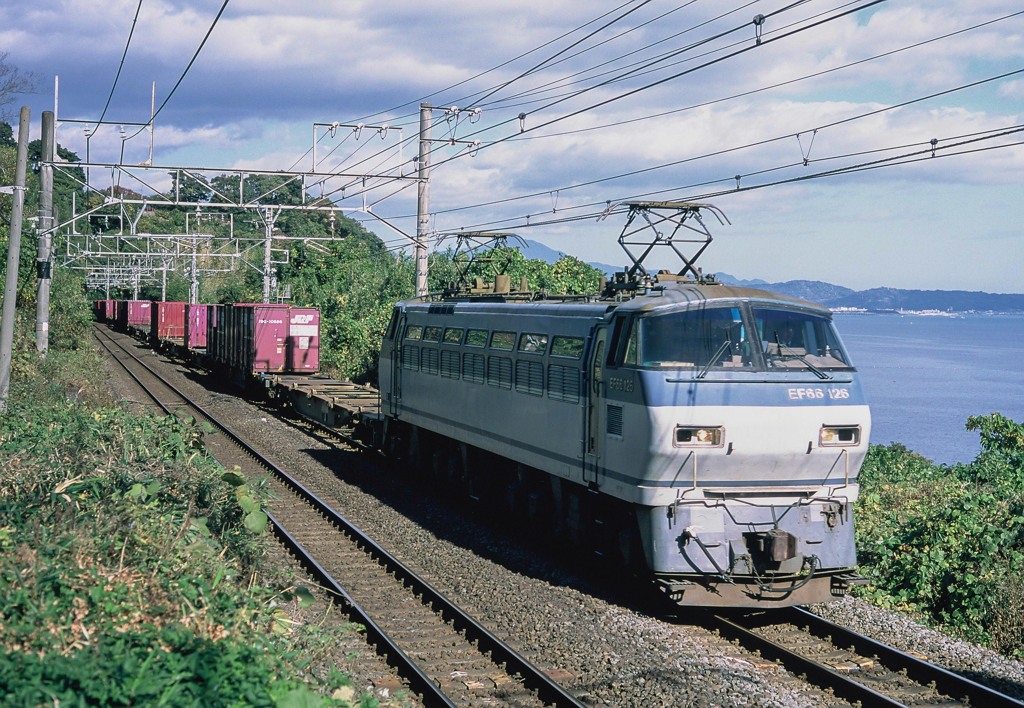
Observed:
{"x":709,"y":434}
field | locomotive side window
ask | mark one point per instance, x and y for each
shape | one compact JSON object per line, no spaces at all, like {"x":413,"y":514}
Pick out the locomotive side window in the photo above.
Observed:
{"x":571,"y":347}
{"x":620,"y":332}
{"x":453,"y":335}
{"x":792,"y":339}
{"x":503,"y":340}
{"x":703,"y":338}
{"x":533,"y":343}
{"x":432,"y":334}
{"x":476,"y":338}
{"x":413,"y":332}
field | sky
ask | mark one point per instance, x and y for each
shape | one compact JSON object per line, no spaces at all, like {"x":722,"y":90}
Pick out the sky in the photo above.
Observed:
{"x":808,"y":125}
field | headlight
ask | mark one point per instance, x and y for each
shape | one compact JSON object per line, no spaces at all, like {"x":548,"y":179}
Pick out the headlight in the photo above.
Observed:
{"x":839,"y":436}
{"x":699,"y":437}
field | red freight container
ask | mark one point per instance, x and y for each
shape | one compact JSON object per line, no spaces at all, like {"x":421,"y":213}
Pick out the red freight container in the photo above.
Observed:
{"x":253,"y":338}
{"x":303,"y":346}
{"x":135,"y":315}
{"x":197,"y":319}
{"x":264,"y":332}
{"x":109,"y":310}
{"x":167,"y":322}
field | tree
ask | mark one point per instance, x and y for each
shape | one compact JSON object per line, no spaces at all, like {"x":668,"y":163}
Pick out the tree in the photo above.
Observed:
{"x":7,"y":136}
{"x":13,"y":82}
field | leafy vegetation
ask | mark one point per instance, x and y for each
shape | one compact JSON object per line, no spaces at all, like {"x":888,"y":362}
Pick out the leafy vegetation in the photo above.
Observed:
{"x":947,"y":542}
{"x":131,"y":563}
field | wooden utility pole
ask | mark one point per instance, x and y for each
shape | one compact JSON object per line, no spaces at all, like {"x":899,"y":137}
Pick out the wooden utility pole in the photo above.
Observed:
{"x":13,"y":255}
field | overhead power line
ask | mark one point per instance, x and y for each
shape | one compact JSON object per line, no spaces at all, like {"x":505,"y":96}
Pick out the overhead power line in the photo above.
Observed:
{"x":120,"y":66}
{"x":183,"y":74}
{"x":945,"y":147}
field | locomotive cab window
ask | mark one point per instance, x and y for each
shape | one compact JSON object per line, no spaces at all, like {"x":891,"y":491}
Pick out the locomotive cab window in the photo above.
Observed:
{"x":453,"y":335}
{"x":794,"y":339}
{"x":432,"y":334}
{"x":702,"y":339}
{"x":393,"y":325}
{"x":414,"y":332}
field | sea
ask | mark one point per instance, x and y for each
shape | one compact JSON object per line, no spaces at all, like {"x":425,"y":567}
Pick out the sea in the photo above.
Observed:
{"x":924,"y":374}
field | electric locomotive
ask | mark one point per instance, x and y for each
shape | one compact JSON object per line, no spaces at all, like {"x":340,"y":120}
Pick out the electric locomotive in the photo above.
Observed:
{"x":708,"y":435}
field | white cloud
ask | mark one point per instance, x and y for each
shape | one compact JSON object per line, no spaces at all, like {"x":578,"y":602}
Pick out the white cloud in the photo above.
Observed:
{"x":271,"y":69}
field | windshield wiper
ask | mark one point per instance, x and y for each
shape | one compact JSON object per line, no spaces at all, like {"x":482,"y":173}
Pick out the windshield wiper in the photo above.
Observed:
{"x":714,"y":357}
{"x":799,"y":357}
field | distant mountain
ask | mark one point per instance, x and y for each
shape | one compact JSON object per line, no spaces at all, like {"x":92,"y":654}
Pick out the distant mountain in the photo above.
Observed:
{"x":812,"y":290}
{"x":829,"y":295}
{"x":882,"y":299}
{"x":539,"y":251}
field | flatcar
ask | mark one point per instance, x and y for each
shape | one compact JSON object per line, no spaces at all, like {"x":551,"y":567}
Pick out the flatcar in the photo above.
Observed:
{"x":707,"y":435}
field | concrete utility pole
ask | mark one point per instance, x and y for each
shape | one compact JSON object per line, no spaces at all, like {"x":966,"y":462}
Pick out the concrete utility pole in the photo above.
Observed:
{"x":423,"y":200}
{"x":269,"y":219}
{"x":43,"y":262}
{"x":13,"y":255}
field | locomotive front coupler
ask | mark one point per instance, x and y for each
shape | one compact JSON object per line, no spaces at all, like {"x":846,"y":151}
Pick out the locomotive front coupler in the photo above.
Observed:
{"x":774,"y":545}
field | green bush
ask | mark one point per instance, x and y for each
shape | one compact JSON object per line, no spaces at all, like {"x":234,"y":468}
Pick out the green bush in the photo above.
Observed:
{"x":129,"y":562}
{"x":947,"y":542}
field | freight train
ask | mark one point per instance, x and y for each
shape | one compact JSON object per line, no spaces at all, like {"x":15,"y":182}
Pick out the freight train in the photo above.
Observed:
{"x":706,"y":436}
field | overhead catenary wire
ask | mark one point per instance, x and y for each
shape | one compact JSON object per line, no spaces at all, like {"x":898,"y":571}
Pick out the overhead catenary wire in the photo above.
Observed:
{"x":701,"y":42}
{"x":120,"y":66}
{"x":676,"y":52}
{"x":928,"y":150}
{"x":418,"y":101}
{"x":782,"y":137}
{"x":547,"y":61}
{"x":724,"y":151}
{"x":760,"y":43}
{"x":183,"y":73}
{"x":645,"y":70}
{"x":536,"y":67}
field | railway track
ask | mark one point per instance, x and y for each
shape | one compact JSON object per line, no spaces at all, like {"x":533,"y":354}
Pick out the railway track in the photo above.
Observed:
{"x":446,"y":657}
{"x":854,"y":667}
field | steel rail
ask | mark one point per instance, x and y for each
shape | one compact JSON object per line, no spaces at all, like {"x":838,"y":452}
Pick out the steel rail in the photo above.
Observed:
{"x":419,"y":682}
{"x":846,"y":686}
{"x":533,"y":678}
{"x":816,"y":673}
{"x":946,"y":681}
